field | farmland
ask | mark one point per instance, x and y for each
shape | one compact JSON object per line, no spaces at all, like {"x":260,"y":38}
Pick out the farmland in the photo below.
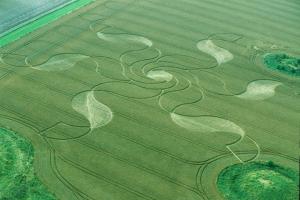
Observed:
{"x":156,"y":100}
{"x":16,"y":12}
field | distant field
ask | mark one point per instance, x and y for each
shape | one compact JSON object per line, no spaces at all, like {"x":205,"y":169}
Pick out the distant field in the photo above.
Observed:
{"x":130,"y":100}
{"x":19,"y":20}
{"x":16,"y":12}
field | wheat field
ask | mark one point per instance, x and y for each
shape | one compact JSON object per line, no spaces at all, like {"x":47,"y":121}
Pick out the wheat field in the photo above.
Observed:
{"x":137,"y":99}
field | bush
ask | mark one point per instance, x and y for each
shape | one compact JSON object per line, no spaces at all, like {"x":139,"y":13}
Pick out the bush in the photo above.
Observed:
{"x":258,"y":180}
{"x":284,"y":63}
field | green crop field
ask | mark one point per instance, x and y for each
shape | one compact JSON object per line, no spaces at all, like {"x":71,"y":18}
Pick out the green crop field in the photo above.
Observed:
{"x":153,"y":100}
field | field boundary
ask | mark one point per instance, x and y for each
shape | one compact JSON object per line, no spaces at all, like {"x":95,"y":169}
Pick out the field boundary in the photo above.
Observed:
{"x":40,"y":21}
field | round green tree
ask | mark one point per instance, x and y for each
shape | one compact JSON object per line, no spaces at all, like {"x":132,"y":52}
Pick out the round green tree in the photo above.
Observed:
{"x":258,"y":181}
{"x":17,"y":178}
{"x":283,"y":62}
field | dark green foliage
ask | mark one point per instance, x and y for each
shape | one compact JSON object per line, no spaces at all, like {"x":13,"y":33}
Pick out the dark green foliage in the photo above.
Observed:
{"x":258,"y":180}
{"x":283,"y":63}
{"x":17,"y":178}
